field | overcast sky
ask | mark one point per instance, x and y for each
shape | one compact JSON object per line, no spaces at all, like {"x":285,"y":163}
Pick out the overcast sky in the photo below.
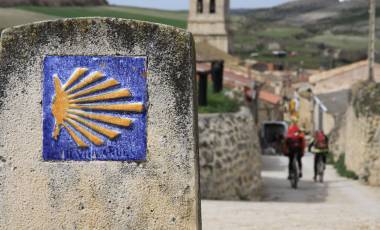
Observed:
{"x":183,"y":4}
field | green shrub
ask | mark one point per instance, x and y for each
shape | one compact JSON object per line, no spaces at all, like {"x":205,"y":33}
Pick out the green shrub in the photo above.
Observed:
{"x":342,"y":170}
{"x":219,"y":103}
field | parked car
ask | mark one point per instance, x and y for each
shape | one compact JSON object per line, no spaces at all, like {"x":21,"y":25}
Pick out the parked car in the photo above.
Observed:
{"x":272,"y":134}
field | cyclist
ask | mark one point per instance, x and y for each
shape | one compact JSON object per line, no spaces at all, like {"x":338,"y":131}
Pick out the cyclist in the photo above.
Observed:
{"x":320,"y":147}
{"x":294,"y":146}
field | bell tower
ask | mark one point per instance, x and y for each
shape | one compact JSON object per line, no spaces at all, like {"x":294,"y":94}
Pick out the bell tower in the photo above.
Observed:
{"x":208,"y":22}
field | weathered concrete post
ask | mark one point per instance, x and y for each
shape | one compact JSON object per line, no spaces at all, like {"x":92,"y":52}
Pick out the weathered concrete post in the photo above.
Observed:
{"x":98,"y":126}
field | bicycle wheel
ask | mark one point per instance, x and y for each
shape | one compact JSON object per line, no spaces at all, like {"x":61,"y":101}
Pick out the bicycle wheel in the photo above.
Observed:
{"x":294,"y":175}
{"x":321,"y":169}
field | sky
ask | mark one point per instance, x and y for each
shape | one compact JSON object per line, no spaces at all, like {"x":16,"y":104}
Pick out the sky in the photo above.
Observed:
{"x":183,"y":4}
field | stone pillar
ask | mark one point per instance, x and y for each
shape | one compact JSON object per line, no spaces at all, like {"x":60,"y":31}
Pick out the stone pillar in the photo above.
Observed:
{"x":217,"y":71}
{"x":202,"y":87}
{"x":98,"y":126}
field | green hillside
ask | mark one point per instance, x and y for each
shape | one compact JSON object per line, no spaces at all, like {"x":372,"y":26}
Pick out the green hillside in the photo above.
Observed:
{"x":27,"y":14}
{"x":12,"y":17}
{"x":179,"y":15}
{"x":314,"y":32}
{"x":168,"y":18}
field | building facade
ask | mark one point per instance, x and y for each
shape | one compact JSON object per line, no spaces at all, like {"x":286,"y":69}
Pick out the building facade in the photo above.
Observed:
{"x":208,"y":22}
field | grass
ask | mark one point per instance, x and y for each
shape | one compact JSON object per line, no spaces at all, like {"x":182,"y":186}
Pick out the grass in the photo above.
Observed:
{"x":341,"y":167}
{"x":290,"y":38}
{"x":12,"y":17}
{"x":180,"y":15}
{"x":117,"y":12}
{"x":347,"y":42}
{"x":219,"y":103}
{"x":280,"y":32}
{"x":254,"y":31}
{"x":354,"y":15}
{"x":296,"y":40}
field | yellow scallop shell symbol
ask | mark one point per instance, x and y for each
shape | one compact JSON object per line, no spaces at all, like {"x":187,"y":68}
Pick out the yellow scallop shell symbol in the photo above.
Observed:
{"x":75,"y":98}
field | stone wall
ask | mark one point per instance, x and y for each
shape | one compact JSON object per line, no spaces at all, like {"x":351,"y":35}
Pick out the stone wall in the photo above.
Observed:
{"x":358,"y":136}
{"x":230,"y":157}
{"x":342,"y":78}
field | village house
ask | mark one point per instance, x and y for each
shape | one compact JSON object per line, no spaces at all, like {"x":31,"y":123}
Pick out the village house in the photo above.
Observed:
{"x":332,"y":92}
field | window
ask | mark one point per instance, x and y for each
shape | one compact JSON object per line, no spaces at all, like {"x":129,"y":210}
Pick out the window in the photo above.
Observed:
{"x":212,"y":6}
{"x":200,"y":6}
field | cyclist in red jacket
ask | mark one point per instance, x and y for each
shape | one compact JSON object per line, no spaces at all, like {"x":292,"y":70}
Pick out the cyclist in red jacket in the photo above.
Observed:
{"x":294,"y":146}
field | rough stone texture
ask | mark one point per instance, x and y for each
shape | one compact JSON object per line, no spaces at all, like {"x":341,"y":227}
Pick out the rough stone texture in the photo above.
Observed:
{"x":161,"y":193}
{"x":358,"y":137}
{"x":230,"y":157}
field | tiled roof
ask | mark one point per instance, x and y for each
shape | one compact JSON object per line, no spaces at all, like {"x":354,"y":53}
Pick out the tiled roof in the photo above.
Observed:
{"x":235,"y":79}
{"x":269,"y":97}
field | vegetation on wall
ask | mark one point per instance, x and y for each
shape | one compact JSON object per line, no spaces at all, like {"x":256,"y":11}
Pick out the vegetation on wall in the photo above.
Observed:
{"x":340,"y":166}
{"x":367,"y":99}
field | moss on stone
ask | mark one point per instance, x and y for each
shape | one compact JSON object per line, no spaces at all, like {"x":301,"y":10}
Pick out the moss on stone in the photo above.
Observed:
{"x":341,"y":168}
{"x":366,"y":99}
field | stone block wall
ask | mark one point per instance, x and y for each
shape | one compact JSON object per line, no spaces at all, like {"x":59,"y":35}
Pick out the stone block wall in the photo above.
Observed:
{"x":363,"y":149}
{"x":230,"y":157}
{"x":358,"y":137}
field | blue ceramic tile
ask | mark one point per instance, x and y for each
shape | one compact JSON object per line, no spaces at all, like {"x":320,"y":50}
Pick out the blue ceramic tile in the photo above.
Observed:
{"x":94,"y":108}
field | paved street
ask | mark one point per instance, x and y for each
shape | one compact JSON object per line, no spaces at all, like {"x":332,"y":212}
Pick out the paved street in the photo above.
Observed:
{"x":337,"y":204}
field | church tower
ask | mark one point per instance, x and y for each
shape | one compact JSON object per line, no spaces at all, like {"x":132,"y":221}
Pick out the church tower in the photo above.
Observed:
{"x":208,"y":22}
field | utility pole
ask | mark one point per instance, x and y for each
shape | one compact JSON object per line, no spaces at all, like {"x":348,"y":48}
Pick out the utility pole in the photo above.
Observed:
{"x":256,"y":89}
{"x":372,"y":40}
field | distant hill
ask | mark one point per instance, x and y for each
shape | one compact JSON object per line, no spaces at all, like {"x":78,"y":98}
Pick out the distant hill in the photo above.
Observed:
{"x":317,"y":32}
{"x":12,"y":16}
{"x":300,"y":9}
{"x":318,"y":15}
{"x":11,"y":3}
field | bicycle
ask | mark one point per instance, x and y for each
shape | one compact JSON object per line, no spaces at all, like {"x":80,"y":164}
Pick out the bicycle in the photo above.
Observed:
{"x":320,"y":168}
{"x":294,"y":173}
